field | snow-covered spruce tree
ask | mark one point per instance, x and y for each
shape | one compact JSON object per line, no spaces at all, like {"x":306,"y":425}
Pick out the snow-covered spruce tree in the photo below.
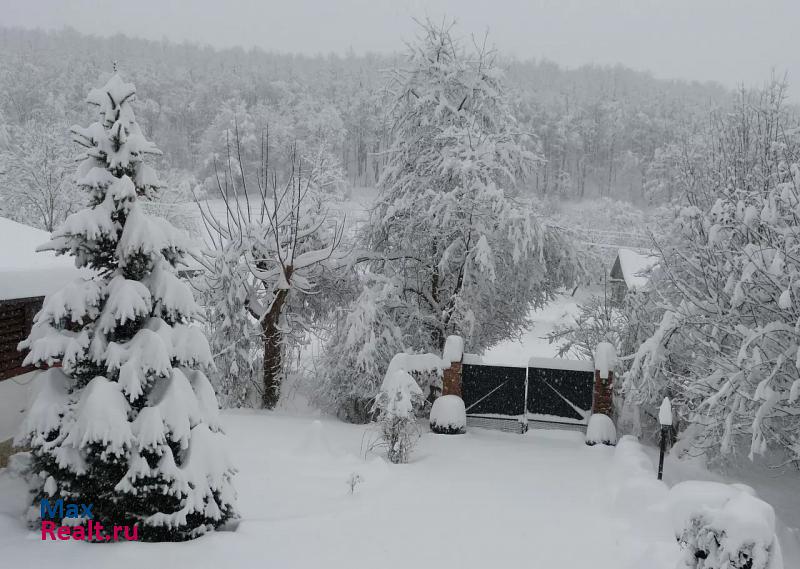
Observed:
{"x":466,"y":256}
{"x":129,"y":422}
{"x":727,"y":347}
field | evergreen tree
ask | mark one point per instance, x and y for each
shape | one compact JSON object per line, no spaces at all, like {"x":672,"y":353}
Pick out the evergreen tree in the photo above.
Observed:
{"x":129,"y":422}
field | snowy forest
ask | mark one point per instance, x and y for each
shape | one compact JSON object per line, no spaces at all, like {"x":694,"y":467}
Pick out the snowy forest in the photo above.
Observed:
{"x":270,"y":234}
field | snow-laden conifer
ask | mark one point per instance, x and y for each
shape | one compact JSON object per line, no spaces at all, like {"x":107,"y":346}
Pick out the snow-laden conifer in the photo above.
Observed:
{"x":128,"y":422}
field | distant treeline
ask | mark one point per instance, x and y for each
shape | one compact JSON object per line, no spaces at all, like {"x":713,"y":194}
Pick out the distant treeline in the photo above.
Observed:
{"x":597,"y":129}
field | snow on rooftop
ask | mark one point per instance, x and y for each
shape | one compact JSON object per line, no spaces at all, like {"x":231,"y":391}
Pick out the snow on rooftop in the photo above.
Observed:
{"x":23,"y":271}
{"x":633,"y":266}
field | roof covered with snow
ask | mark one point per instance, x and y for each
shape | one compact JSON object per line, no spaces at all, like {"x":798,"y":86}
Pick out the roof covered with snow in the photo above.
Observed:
{"x":23,"y":271}
{"x":634,"y":267}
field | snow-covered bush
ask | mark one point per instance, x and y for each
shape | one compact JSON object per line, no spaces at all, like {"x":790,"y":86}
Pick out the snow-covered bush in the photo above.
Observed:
{"x":601,"y":430}
{"x":128,"y":422}
{"x":358,"y":352}
{"x":448,"y":415}
{"x":395,"y":404}
{"x":353,"y":481}
{"x":234,"y":334}
{"x":398,"y":400}
{"x":723,"y":526}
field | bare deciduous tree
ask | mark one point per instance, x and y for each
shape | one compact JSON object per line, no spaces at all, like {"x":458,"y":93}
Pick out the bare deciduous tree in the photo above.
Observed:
{"x":285,"y":243}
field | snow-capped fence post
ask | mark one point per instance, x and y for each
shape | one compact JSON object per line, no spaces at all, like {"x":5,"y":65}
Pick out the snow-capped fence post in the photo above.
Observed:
{"x":665,"y":418}
{"x":601,"y":427}
{"x":453,"y":354}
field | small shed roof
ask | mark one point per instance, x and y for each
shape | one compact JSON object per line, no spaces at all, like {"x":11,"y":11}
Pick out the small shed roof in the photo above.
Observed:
{"x":26,"y":273}
{"x":634,"y":267}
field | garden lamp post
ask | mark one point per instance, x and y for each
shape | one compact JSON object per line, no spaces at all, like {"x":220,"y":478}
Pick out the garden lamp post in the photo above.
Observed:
{"x":665,"y":418}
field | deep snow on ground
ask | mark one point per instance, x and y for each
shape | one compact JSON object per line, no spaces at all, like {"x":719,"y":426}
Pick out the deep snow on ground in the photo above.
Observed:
{"x":780,"y":487}
{"x":484,"y":499}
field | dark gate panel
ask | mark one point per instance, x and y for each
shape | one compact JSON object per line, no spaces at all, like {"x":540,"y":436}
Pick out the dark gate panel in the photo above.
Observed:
{"x":561,"y":393}
{"x":496,"y":390}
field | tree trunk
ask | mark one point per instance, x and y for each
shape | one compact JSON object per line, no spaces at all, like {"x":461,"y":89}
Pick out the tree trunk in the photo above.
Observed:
{"x":273,"y":351}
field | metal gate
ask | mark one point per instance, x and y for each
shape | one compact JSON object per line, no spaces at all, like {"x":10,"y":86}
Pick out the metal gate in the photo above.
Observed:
{"x":547,"y":394}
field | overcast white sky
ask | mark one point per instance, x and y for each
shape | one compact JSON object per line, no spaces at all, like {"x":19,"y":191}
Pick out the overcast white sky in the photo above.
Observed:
{"x":730,"y":41}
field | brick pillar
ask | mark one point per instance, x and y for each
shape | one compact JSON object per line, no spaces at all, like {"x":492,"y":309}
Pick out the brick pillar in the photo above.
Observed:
{"x":603,"y":396}
{"x":451,"y":380}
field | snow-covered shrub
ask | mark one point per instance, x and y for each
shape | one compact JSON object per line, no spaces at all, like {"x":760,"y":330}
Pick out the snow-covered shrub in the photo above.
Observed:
{"x":723,"y":526}
{"x":353,"y":481}
{"x":396,"y":418}
{"x":448,"y":415}
{"x":233,"y":333}
{"x":399,"y":398}
{"x":601,"y":430}
{"x":128,"y":422}
{"x":358,"y":352}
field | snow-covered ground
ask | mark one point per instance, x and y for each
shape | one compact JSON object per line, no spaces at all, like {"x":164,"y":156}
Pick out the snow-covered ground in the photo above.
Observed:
{"x":15,"y":395}
{"x":780,"y":487}
{"x":484,"y":499}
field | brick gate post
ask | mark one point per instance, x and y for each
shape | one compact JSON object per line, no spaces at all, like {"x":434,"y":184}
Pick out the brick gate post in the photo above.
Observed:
{"x":454,"y":355}
{"x":602,"y":398}
{"x":601,"y":429}
{"x":605,"y":357}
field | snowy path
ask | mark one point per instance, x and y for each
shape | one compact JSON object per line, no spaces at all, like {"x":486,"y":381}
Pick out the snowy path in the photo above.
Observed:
{"x":483,"y":500}
{"x":532,"y":342}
